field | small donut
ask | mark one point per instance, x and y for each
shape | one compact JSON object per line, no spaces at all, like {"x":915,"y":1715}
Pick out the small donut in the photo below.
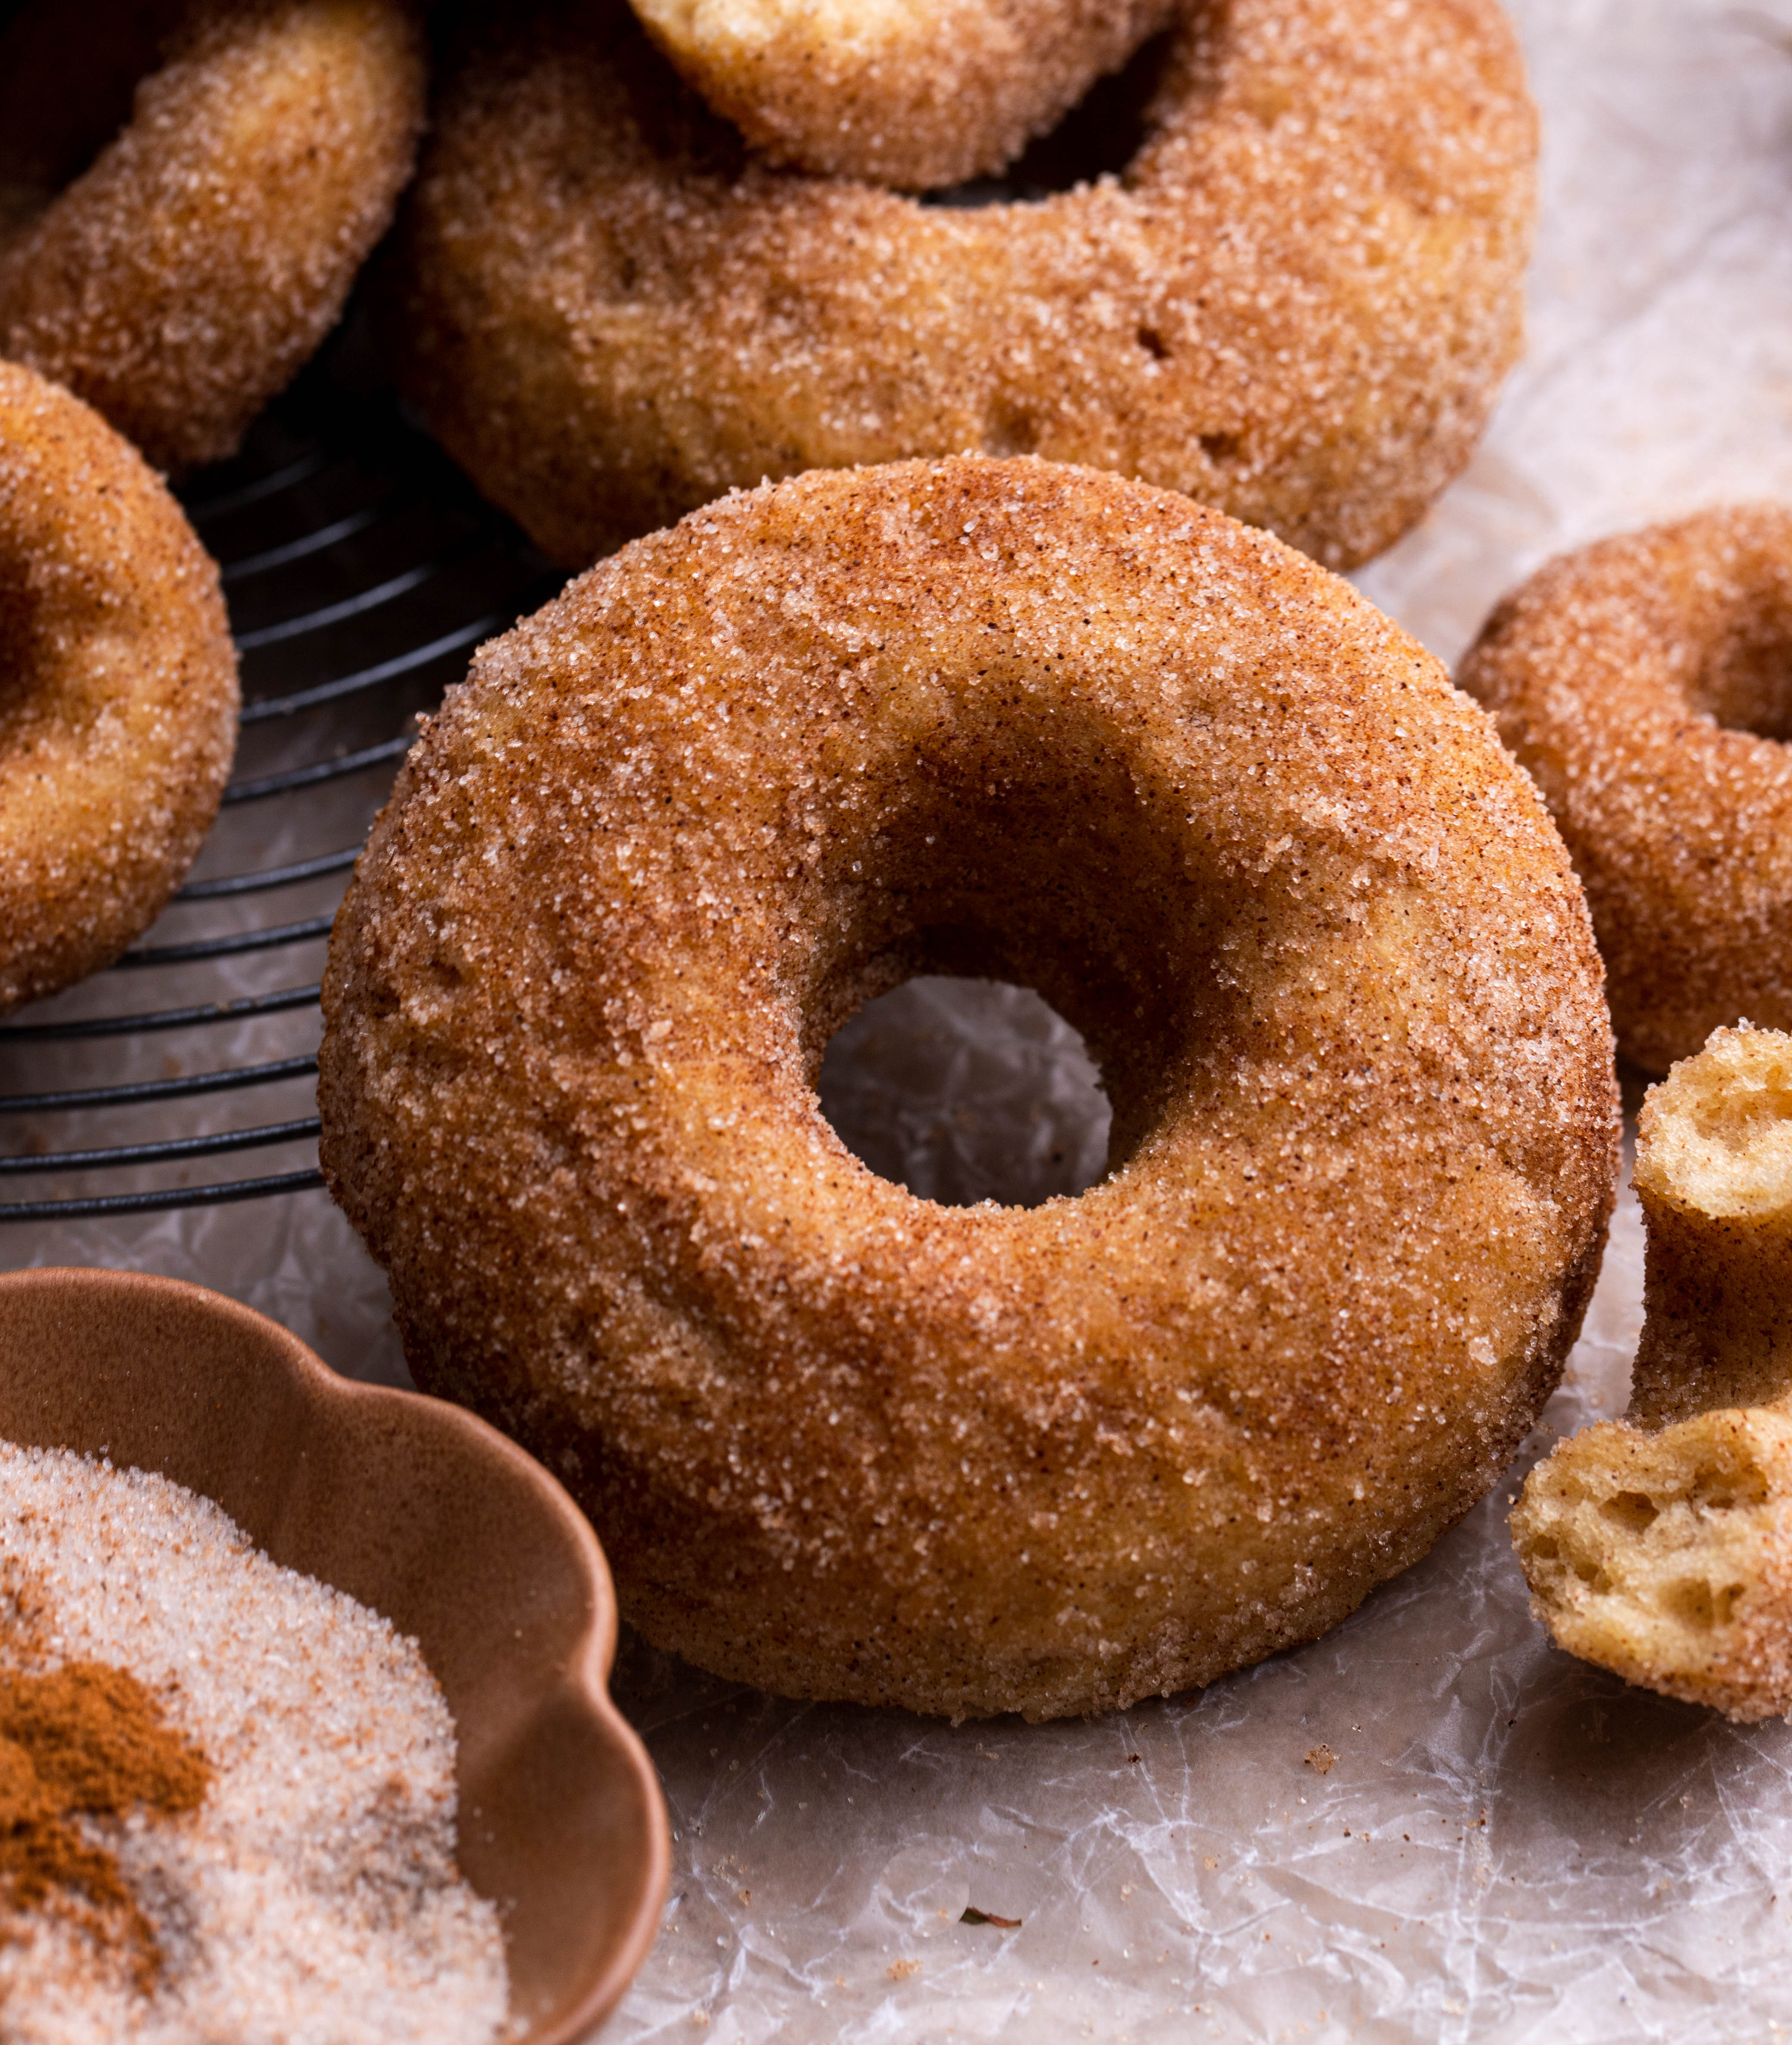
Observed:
{"x":1297,"y":304}
{"x":1015,"y":720}
{"x":1660,"y":1545}
{"x":118,"y":719}
{"x":182,"y":279}
{"x":1643,"y":683}
{"x":903,"y":94}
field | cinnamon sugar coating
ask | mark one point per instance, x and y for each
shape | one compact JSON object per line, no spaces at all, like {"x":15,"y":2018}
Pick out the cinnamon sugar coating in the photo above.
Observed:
{"x":1643,"y":682}
{"x":117,"y":691}
{"x":187,"y":274}
{"x":1297,"y":303}
{"x":1010,"y":718}
{"x":893,"y":91}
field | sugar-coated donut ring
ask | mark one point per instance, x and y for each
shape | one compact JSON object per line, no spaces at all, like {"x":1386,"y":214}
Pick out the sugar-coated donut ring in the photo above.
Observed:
{"x":900,"y":93}
{"x":182,"y":279}
{"x":1642,"y":681}
{"x":1660,"y":1545}
{"x":1297,"y":304}
{"x":1009,"y":719}
{"x":118,"y":709}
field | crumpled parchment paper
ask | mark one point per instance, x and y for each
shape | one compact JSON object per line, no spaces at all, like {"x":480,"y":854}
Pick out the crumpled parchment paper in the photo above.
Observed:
{"x":1505,"y":1844}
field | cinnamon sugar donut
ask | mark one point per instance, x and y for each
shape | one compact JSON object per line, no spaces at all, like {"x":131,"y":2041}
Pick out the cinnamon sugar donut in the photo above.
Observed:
{"x":1660,"y":1545}
{"x":184,"y":276}
{"x":118,"y":709}
{"x":1297,"y":303}
{"x":1643,"y":682}
{"x":998,"y":717}
{"x":908,"y":92}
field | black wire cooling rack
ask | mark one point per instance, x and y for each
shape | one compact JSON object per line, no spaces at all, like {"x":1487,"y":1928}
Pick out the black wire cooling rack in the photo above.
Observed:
{"x":360,"y":569}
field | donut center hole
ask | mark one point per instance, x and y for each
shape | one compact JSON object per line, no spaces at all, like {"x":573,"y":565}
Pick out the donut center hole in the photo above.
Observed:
{"x":1746,"y":683}
{"x":67,"y":78}
{"x":965,"y":1090}
{"x":1099,"y":137}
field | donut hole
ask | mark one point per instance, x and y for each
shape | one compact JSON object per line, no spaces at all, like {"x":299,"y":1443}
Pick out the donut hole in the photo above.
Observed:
{"x":968,"y":1090}
{"x":1745,"y":680}
{"x":56,"y":116}
{"x":981,"y":866}
{"x":1098,"y":138}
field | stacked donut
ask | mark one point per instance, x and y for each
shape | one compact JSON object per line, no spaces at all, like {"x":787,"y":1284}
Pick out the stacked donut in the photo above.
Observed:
{"x":1290,"y":290}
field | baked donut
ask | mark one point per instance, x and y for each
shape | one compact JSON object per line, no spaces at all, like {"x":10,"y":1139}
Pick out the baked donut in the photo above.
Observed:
{"x":118,"y":717}
{"x":1297,"y":303}
{"x":911,"y":93}
{"x":195,"y":262}
{"x":1660,"y":1545}
{"x":1643,"y":683}
{"x":1041,"y":724}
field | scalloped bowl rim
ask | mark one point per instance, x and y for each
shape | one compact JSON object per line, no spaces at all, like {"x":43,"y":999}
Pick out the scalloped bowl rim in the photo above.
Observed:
{"x":586,"y":1668}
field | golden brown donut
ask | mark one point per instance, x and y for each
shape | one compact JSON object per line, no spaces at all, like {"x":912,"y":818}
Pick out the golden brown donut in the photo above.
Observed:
{"x":910,"y":93}
{"x":1297,"y":303}
{"x":1643,"y":682}
{"x":118,"y":709}
{"x":1660,"y":1545}
{"x":188,"y":271}
{"x":1042,"y":724}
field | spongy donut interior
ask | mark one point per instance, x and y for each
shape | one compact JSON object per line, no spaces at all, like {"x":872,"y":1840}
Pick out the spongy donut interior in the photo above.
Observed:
{"x":1653,"y":1554}
{"x":1721,"y":1128}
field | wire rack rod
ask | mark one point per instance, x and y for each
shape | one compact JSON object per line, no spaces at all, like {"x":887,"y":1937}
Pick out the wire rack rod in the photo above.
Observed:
{"x":457,"y":642}
{"x":200,"y":509}
{"x":302,"y":549}
{"x":265,"y":877}
{"x":172,"y":1196}
{"x":242,"y":1010}
{"x":326,"y":770}
{"x":230,"y":946}
{"x":133,"y":1092}
{"x":170,"y":1147}
{"x":357,"y":606}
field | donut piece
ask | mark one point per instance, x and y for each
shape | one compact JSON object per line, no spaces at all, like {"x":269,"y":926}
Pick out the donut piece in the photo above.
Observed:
{"x":1660,"y":1545}
{"x":1643,"y":683}
{"x":909,"y":93}
{"x":1040,"y":724}
{"x":1297,"y":304}
{"x":187,"y":274}
{"x":117,"y":691}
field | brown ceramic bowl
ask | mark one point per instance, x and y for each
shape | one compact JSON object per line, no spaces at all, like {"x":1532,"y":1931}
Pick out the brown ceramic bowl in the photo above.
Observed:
{"x":435,"y":1520}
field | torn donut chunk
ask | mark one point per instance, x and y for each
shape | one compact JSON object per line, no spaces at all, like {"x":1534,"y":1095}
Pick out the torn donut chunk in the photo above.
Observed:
{"x":1660,"y":1545}
{"x":1036,"y":723}
{"x":118,"y":692}
{"x":186,"y":191}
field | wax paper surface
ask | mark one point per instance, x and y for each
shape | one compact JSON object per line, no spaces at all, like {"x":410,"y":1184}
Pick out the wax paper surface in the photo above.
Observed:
{"x":1429,"y":1824}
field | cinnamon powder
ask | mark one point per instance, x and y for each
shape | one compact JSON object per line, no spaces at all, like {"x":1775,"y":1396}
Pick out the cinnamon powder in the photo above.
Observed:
{"x":87,"y":1739}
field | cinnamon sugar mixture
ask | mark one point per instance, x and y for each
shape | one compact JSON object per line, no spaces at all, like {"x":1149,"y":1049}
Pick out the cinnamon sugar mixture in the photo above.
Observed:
{"x":227,"y":1793}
